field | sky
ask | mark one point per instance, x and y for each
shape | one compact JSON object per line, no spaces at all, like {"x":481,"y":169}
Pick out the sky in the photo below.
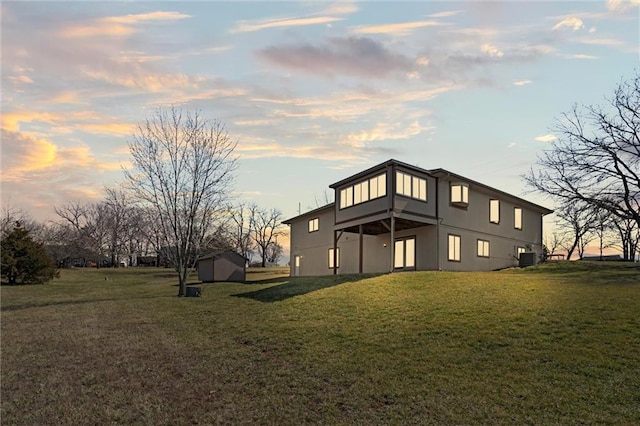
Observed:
{"x":312,"y":91}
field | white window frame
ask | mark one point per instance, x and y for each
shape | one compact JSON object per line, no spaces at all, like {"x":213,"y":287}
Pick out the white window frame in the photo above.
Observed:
{"x":483,"y":248}
{"x":494,"y":211}
{"x":517,"y":218}
{"x":519,"y":251}
{"x":331,"y":258}
{"x":454,"y":243}
{"x":314,"y":224}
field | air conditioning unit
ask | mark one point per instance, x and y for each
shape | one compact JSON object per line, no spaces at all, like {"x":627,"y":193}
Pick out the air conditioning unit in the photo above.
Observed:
{"x":527,"y":259}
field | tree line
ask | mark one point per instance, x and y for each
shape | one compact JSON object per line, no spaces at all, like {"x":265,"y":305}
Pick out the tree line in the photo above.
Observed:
{"x":592,"y":173}
{"x":174,"y":204}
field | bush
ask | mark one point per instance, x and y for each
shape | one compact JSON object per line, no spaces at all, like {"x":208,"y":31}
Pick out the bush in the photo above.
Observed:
{"x":25,"y":261}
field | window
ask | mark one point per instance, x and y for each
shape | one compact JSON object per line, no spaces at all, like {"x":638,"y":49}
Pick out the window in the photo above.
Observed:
{"x":494,"y":211}
{"x":361,"y":192}
{"x":405,"y":254}
{"x":519,"y":251}
{"x":331,"y":258}
{"x":411,"y":186}
{"x":517,"y":218}
{"x":460,"y":194}
{"x":454,"y":248}
{"x":313,"y":224}
{"x":483,"y":248}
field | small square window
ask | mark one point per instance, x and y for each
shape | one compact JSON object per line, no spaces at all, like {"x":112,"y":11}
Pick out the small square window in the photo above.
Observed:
{"x":314,"y":224}
{"x":460,"y":194}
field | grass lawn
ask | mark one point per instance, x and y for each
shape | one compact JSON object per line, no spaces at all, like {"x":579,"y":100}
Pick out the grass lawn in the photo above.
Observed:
{"x":554,"y":344}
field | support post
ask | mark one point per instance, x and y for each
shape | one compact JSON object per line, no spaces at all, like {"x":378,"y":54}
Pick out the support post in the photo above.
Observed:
{"x":393,"y":242}
{"x":360,"y":250}
{"x":335,"y":249}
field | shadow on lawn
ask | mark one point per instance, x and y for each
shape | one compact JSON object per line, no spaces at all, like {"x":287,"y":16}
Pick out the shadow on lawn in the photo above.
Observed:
{"x":298,"y":286}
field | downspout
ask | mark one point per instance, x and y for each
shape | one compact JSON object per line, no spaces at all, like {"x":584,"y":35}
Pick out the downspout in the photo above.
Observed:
{"x":392,"y":195}
{"x":438,"y":224}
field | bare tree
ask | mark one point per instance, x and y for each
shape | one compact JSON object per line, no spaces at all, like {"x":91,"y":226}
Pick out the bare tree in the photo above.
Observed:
{"x":240,"y":230}
{"x":578,"y":220}
{"x":183,"y":168}
{"x":553,"y":242}
{"x":265,"y":226}
{"x":120,"y":209}
{"x":629,"y":237}
{"x":596,"y":160}
{"x":89,"y":225}
{"x":274,"y":252}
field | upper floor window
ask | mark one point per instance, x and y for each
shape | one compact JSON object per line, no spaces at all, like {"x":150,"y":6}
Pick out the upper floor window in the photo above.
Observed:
{"x":494,"y":211}
{"x":460,"y":194}
{"x":314,"y":224}
{"x":366,"y":190}
{"x":411,"y":186}
{"x":517,"y":218}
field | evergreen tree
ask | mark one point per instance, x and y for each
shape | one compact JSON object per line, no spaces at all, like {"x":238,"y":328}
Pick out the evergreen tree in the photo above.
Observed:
{"x":25,"y":261}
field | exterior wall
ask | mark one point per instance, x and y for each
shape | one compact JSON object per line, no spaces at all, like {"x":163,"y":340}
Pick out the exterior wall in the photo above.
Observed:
{"x":376,"y":250}
{"x":205,"y":270}
{"x":472,"y":223}
{"x":312,"y":247}
{"x":220,"y":268}
{"x":439,"y":216}
{"x":224,"y":269}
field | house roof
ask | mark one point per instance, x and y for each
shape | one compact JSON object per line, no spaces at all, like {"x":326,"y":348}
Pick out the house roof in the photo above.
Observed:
{"x":310,"y":213}
{"x":221,"y":253}
{"x":445,"y":173}
{"x":438,"y":173}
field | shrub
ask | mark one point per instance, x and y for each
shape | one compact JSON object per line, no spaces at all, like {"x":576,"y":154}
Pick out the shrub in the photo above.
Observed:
{"x":25,"y":261}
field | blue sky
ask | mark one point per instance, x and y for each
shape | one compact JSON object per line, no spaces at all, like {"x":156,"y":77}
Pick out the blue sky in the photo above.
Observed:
{"x":312,"y":91}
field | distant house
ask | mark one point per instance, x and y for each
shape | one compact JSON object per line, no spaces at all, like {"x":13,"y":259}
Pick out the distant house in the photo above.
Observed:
{"x":224,"y":265}
{"x":395,"y":217}
{"x":606,"y":257}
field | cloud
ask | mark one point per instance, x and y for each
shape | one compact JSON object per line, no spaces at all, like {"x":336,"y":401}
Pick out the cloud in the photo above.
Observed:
{"x":24,"y":155}
{"x":116,"y":26}
{"x":601,"y":41}
{"x":546,"y":138}
{"x":580,"y":56}
{"x":383,"y":132}
{"x":572,"y":22}
{"x":398,"y":29}
{"x":621,"y":6}
{"x":84,"y":121}
{"x":246,"y":26}
{"x":356,"y":56}
{"x":491,"y":50}
{"x":521,"y":82}
{"x":512,"y":145}
{"x":445,"y":14}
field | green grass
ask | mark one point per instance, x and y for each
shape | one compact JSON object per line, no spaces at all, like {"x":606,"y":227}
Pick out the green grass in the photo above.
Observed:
{"x":554,"y":344}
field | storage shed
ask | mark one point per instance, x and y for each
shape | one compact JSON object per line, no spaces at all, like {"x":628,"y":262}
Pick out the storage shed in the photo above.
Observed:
{"x":222,"y":266}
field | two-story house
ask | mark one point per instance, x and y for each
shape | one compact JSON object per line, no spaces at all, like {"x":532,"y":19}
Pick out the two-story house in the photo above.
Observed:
{"x":395,"y":216}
